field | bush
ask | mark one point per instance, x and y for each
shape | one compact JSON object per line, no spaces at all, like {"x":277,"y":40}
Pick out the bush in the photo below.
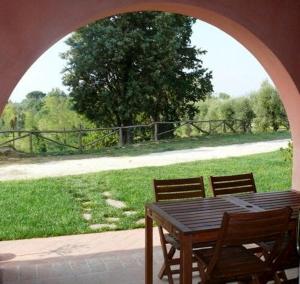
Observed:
{"x":288,"y":152}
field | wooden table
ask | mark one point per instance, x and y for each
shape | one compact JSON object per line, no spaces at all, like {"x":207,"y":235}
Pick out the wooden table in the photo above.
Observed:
{"x":200,"y":220}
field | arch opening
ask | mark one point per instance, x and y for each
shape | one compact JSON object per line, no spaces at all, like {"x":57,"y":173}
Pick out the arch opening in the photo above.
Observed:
{"x":232,"y":18}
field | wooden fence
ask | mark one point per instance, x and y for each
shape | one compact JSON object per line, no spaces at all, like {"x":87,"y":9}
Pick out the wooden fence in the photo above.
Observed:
{"x":116,"y":134}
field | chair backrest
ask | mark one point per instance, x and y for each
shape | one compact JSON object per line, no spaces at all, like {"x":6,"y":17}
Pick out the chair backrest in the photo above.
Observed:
{"x":245,"y":228}
{"x":172,"y":189}
{"x":222,"y":185}
{"x":251,"y":227}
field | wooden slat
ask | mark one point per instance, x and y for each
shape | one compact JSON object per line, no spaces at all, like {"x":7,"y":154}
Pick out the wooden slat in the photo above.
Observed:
{"x":229,"y":178}
{"x":178,"y":188}
{"x":201,"y":215}
{"x":179,"y":195}
{"x":196,"y":180}
{"x":233,"y":190}
{"x":235,"y":183}
{"x":244,"y":204}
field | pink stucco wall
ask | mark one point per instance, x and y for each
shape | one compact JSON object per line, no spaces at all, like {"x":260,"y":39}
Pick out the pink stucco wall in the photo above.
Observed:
{"x":270,"y":29}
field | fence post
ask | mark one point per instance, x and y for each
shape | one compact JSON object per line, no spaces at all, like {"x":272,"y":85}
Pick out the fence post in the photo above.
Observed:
{"x":155,"y":131}
{"x":224,"y":126}
{"x":30,"y":143}
{"x":80,"y":138}
{"x":121,"y":136}
{"x":209,"y":127}
{"x":65,"y":136}
{"x":14,"y":144}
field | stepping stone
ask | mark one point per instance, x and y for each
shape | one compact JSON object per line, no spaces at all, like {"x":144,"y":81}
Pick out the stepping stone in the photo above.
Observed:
{"x":87,"y":216}
{"x":129,"y":213}
{"x":106,"y":194}
{"x":140,"y":222}
{"x":115,"y":203}
{"x":101,"y":226}
{"x":112,"y":219}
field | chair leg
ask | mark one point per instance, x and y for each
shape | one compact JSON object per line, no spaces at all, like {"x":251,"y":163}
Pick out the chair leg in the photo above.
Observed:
{"x":255,"y":279}
{"x":280,"y":277}
{"x":163,"y":270}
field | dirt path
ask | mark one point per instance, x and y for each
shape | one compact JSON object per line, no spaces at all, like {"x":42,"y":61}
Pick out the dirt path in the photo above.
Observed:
{"x":62,"y":167}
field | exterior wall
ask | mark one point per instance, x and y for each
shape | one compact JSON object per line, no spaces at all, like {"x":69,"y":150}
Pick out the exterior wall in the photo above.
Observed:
{"x":270,"y":29}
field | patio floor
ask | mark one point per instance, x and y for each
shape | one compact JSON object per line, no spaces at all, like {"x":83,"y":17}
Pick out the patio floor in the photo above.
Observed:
{"x":102,"y":258}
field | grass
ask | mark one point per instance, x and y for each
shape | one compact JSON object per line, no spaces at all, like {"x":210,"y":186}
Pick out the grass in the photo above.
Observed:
{"x":181,"y":144}
{"x":54,"y":206}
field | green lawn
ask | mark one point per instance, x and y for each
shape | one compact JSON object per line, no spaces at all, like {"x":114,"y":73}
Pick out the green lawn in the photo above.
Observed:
{"x":54,"y":206}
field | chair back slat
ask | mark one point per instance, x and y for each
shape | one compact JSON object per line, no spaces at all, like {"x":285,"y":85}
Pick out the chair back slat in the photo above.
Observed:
{"x":234,"y":184}
{"x":179,"y":181}
{"x":179,"y":195}
{"x":173,"y":189}
{"x":179,"y":188}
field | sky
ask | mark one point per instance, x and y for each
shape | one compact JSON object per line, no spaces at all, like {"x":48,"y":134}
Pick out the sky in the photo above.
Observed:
{"x":235,"y":70}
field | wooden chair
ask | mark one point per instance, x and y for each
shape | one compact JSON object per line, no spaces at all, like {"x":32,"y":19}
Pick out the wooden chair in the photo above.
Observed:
{"x":290,"y":258}
{"x":222,"y":185}
{"x":229,"y":260}
{"x":234,"y":184}
{"x":174,"y":189}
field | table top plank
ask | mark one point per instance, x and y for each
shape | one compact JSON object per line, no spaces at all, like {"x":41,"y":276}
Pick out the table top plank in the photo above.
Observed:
{"x":275,"y":200}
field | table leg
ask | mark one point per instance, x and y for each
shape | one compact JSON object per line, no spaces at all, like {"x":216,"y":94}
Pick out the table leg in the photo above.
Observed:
{"x":149,"y":250}
{"x":186,"y":263}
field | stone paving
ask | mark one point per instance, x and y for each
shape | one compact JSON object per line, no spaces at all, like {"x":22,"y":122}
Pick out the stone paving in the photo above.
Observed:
{"x":103,"y":258}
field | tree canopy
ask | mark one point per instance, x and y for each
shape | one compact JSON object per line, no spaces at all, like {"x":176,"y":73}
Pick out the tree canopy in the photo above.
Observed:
{"x":270,"y":112}
{"x":136,"y":67}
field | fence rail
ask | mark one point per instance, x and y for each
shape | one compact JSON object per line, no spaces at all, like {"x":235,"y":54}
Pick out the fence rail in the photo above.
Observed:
{"x":82,"y":139}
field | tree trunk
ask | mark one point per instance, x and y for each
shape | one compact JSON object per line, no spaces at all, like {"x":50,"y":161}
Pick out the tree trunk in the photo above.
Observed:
{"x":127,"y":136}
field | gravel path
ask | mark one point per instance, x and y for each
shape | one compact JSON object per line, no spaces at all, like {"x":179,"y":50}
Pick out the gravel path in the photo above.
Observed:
{"x":53,"y":168}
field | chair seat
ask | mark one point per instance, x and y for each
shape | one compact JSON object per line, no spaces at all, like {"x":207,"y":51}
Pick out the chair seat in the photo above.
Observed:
{"x":172,"y":240}
{"x":236,"y":261}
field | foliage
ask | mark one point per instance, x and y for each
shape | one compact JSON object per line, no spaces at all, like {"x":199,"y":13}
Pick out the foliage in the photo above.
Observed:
{"x":9,"y":117}
{"x":136,"y":67}
{"x":288,"y":152}
{"x":54,"y":206}
{"x":57,"y":112}
{"x":268,"y":108}
{"x":261,"y":110}
{"x":34,"y":100}
{"x":244,"y":111}
{"x":39,"y":111}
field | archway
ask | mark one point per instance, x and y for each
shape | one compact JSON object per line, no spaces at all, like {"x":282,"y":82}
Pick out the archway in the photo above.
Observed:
{"x":269,"y":29}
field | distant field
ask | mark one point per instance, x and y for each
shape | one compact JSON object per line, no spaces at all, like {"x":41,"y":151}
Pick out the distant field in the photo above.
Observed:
{"x":54,"y":206}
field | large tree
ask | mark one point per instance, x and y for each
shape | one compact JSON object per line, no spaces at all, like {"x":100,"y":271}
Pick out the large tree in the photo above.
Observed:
{"x":136,"y":67}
